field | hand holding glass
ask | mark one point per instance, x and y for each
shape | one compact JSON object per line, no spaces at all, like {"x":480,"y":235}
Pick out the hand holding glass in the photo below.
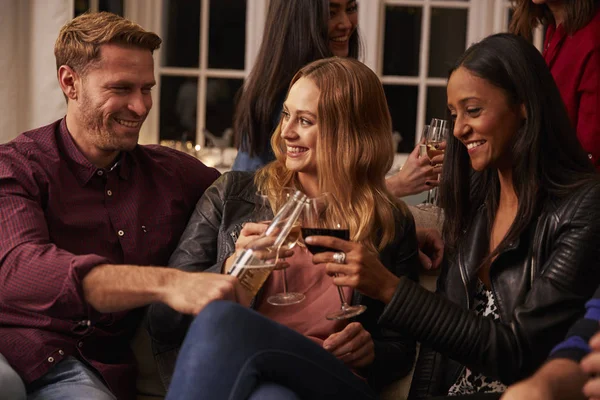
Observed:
{"x":319,"y":220}
{"x":254,"y":264}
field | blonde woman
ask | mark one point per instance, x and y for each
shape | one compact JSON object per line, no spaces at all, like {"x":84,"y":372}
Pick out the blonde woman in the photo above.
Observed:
{"x":334,"y":136}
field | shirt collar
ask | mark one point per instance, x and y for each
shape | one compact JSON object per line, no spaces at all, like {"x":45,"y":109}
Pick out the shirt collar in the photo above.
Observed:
{"x":80,"y":166}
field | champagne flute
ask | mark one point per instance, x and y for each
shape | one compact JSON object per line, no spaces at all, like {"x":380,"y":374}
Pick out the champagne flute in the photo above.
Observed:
{"x":439,"y":129}
{"x":254,"y":264}
{"x":286,"y":298}
{"x":423,"y":153}
{"x":322,"y":217}
{"x":434,"y":134}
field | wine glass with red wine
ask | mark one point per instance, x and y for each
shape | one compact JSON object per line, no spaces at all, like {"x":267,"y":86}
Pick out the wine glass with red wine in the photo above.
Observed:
{"x":323,"y":217}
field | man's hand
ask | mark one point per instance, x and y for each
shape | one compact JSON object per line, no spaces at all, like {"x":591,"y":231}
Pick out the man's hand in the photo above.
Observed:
{"x":591,"y":366}
{"x":353,"y":345}
{"x":530,"y":389}
{"x":431,"y":247}
{"x":558,"y":379}
{"x":190,"y":292}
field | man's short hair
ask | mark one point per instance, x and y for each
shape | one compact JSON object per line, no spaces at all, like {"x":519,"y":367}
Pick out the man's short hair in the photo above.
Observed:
{"x":79,"y":40}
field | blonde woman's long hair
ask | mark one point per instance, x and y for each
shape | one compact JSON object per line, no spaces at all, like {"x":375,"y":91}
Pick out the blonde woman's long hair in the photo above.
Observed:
{"x":354,"y":151}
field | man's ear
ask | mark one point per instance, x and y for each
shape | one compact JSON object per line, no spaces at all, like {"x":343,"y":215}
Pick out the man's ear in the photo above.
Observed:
{"x":67,"y":78}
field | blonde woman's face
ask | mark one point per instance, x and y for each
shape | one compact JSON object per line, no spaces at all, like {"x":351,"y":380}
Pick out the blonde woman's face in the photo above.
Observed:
{"x":300,"y":128}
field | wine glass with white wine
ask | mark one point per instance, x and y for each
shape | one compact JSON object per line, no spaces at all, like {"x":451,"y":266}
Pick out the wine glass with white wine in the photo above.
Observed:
{"x":433,"y":136}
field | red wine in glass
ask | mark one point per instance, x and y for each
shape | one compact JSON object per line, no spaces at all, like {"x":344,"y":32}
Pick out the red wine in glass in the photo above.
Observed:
{"x":338,"y":233}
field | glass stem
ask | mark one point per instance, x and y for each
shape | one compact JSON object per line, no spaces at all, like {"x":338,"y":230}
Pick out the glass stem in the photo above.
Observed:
{"x":284,"y":281}
{"x":342,"y":297}
{"x":283,"y":277}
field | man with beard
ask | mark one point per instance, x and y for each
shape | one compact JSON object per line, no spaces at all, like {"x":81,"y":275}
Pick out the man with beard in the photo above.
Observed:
{"x":87,"y":215}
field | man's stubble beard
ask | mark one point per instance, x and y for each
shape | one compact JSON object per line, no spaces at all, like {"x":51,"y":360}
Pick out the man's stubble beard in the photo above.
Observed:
{"x":94,"y":125}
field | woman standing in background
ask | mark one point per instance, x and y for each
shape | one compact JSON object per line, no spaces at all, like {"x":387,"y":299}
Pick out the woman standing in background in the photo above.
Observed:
{"x":572,"y":51}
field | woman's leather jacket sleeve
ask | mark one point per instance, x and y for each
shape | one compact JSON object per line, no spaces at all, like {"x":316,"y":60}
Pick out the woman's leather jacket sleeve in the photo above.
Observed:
{"x":512,"y":348}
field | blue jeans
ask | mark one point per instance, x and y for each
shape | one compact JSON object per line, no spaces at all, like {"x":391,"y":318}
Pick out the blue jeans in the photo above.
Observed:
{"x":232,"y":352}
{"x":69,"y":379}
{"x":11,"y":384}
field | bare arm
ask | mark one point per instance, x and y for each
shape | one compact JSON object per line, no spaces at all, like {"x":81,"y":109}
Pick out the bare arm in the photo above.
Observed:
{"x":417,"y":175}
{"x":113,"y":288}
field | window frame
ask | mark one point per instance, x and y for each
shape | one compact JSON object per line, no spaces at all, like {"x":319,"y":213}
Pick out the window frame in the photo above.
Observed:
{"x":372,"y":26}
{"x":484,"y":18}
{"x":148,"y":13}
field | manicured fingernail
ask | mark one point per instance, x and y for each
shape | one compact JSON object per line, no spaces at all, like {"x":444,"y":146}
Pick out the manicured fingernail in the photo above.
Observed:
{"x":308,"y":239}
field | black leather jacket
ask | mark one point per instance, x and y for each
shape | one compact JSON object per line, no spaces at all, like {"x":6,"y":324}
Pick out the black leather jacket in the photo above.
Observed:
{"x":540,"y":284}
{"x":210,"y":238}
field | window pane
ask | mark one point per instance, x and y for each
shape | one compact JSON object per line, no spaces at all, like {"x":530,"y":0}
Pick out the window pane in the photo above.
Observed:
{"x":81,"y":6}
{"x":436,"y":104}
{"x":181,"y":33}
{"x":402,"y":101}
{"x":113,"y":6}
{"x":402,"y":40}
{"x":227,"y":37}
{"x":178,"y":103}
{"x":220,"y":94}
{"x":445,"y":48}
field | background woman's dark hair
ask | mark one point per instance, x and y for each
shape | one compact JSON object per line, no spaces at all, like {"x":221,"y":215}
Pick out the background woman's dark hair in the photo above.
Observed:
{"x":527,"y":16}
{"x":296,"y":33}
{"x":548,"y":160}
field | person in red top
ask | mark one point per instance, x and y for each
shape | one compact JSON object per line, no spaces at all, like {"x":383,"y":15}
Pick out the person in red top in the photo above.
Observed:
{"x":85,"y":216}
{"x":572,"y":51}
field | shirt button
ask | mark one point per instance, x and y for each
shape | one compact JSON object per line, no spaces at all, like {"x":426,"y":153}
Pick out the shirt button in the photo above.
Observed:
{"x":121,"y":233}
{"x":100,"y":172}
{"x":80,"y":344}
{"x":50,"y":359}
{"x":109,"y":192}
{"x":62,"y":353}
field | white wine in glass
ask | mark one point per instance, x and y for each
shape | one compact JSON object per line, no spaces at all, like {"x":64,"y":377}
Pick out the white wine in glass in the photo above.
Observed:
{"x":253,"y":265}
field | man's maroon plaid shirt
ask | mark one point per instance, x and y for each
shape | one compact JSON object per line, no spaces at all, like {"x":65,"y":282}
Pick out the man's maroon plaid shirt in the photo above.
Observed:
{"x":59,"y":217}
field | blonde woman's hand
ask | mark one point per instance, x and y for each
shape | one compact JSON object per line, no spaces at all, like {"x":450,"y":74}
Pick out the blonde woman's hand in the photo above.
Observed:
{"x":353,"y":346}
{"x":362,"y":269}
{"x":249,"y":237}
{"x":417,"y":175}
